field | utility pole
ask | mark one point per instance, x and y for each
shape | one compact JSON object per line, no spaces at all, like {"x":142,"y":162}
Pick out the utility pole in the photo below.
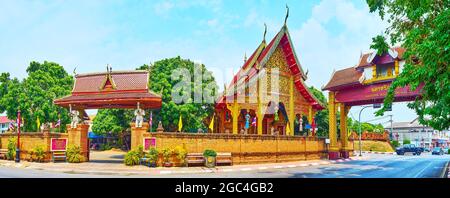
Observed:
{"x":392,"y":127}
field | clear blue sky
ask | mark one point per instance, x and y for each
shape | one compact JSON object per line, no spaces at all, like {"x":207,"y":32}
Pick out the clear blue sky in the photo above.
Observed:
{"x":327,"y":34}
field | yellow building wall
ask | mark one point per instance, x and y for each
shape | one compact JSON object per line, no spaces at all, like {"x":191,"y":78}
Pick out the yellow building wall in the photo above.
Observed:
{"x":246,"y":149}
{"x":29,"y":141}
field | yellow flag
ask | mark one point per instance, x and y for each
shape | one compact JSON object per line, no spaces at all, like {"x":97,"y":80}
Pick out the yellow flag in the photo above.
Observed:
{"x":38,"y":122}
{"x":180,"y":124}
{"x":211,"y":124}
{"x":288,"y":129}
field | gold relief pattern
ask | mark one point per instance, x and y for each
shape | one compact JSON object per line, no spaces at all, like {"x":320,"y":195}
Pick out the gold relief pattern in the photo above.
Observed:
{"x":278,"y":60}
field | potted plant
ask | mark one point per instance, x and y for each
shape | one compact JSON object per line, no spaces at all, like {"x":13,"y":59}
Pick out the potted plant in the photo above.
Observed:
{"x":38,"y":153}
{"x":181,"y":153}
{"x":152,"y":157}
{"x":210,"y":158}
{"x":167,"y":153}
{"x":74,"y":154}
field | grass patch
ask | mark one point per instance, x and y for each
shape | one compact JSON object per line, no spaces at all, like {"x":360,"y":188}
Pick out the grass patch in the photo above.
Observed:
{"x":370,"y":145}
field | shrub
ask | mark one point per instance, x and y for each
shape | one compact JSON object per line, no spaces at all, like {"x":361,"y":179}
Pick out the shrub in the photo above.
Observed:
{"x":132,"y":158}
{"x":395,"y":143}
{"x":73,"y":154}
{"x":448,"y":152}
{"x":140,"y":151}
{"x":11,"y":154}
{"x":166,"y":154}
{"x":38,"y":153}
{"x":181,"y":153}
{"x":153,"y":155}
{"x":105,"y":147}
{"x":209,"y":153}
{"x":406,"y":141}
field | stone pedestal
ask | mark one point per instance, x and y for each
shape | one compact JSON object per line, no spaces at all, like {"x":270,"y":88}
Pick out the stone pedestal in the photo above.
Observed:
{"x":137,"y":135}
{"x":333,"y":155}
{"x":345,"y":154}
{"x":79,"y":136}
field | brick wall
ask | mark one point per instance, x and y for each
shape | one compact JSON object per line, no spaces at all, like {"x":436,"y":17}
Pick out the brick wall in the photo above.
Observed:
{"x":30,"y":140}
{"x":246,"y":148}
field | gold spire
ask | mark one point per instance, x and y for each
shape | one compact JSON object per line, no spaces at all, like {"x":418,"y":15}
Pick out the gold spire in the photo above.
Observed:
{"x":245,"y":57}
{"x":265,"y":32}
{"x":287,"y":14}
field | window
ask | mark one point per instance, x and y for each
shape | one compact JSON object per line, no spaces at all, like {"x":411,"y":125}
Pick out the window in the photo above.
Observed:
{"x":385,"y":70}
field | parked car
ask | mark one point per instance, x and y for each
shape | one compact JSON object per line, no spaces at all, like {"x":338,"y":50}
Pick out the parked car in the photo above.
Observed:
{"x":427,"y":149}
{"x":408,"y":148}
{"x":422,"y":149}
{"x":445,"y":150}
{"x":437,"y":151}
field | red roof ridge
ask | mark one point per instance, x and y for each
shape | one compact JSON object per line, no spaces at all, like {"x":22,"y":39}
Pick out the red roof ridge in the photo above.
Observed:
{"x":112,"y":72}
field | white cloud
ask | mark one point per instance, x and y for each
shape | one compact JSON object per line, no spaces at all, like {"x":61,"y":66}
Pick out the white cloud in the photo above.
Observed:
{"x":321,"y":49}
{"x":163,"y":8}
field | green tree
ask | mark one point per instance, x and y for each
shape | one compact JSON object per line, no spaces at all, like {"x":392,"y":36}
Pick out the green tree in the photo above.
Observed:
{"x":112,"y":120}
{"x":321,"y":116}
{"x":423,"y":29}
{"x":379,"y":43}
{"x":193,"y":114}
{"x":34,"y":95}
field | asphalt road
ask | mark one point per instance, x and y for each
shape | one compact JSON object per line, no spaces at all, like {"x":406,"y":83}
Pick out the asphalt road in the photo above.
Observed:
{"x":377,"y":166}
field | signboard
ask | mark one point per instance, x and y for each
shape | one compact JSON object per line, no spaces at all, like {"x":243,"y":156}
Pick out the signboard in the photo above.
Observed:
{"x":377,"y":106}
{"x":327,"y":141}
{"x":389,"y":108}
{"x":58,"y":144}
{"x":149,"y":143}
{"x":375,"y":93}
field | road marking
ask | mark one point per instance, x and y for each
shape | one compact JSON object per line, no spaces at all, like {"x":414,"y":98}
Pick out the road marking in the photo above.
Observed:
{"x":165,"y":172}
{"x":227,"y":170}
{"x":262,"y":168}
{"x":208,"y":171}
{"x":278,"y":166}
{"x":314,"y":164}
{"x":291,"y":166}
{"x":429,"y":164}
{"x":303,"y":165}
{"x":246,"y":169}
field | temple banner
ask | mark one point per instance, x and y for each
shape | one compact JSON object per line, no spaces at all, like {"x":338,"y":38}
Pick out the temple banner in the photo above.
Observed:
{"x":375,"y":92}
{"x":149,"y":143}
{"x":58,"y":144}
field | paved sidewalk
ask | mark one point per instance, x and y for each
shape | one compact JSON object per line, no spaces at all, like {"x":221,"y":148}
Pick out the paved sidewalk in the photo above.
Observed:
{"x":121,"y":169}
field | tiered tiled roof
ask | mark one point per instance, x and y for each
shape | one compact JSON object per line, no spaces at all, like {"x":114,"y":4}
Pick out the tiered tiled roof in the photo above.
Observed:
{"x":352,"y":76}
{"x":259,"y":58}
{"x":119,"y":89}
{"x":344,"y":77}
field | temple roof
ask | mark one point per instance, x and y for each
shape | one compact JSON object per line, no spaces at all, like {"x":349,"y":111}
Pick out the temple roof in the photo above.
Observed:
{"x":119,"y":89}
{"x":344,"y":77}
{"x":352,"y":76}
{"x":364,"y":59}
{"x":259,"y":58}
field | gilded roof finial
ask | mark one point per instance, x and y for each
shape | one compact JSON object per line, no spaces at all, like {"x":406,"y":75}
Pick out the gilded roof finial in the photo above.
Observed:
{"x":107,"y":68}
{"x":74,"y":71}
{"x":287,"y":14}
{"x":245,"y":57}
{"x":265,"y":32}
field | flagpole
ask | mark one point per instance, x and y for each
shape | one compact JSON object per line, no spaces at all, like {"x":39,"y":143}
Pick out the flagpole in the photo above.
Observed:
{"x":59,"y":120}
{"x":18,"y":138}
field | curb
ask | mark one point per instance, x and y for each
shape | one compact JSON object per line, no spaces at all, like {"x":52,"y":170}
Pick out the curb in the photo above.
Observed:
{"x":377,"y":152}
{"x":211,"y":170}
{"x":446,"y":172}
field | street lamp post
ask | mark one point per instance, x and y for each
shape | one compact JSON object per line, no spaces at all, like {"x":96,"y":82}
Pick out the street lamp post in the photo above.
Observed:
{"x":359,"y":120}
{"x":18,"y":137}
